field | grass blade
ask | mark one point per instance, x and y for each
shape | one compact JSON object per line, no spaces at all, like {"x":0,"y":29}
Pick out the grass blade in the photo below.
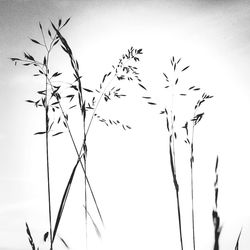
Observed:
{"x":237,"y":243}
{"x":63,"y":201}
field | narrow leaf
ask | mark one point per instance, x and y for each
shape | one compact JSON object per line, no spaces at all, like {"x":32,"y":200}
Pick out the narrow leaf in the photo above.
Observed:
{"x":142,"y":86}
{"x":35,"y":41}
{"x":56,"y":74}
{"x":88,"y":90}
{"x":57,"y":133}
{"x":66,"y":22}
{"x":185,"y":68}
{"x":39,"y":133}
{"x":40,"y":25}
{"x":59,"y":22}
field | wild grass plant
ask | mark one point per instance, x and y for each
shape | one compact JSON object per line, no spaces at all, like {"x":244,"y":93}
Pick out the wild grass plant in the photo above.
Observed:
{"x":58,"y":99}
{"x":176,"y":88}
{"x":197,"y":117}
{"x":170,"y":116}
{"x":190,"y":125}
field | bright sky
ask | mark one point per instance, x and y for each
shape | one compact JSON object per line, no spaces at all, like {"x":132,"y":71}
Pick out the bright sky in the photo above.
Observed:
{"x":130,"y":171}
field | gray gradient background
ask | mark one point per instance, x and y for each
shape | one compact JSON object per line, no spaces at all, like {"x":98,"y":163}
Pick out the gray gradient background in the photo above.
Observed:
{"x":136,"y":196}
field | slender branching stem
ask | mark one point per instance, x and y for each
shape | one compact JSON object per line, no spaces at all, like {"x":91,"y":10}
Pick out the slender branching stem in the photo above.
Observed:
{"x":99,"y":100}
{"x":47,"y":151}
{"x":97,"y":105}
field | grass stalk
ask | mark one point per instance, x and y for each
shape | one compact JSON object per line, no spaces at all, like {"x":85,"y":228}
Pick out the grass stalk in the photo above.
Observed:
{"x":192,"y":197}
{"x":170,"y":125}
{"x":47,"y":101}
{"x":46,"y":106}
{"x":172,"y":139}
{"x":192,"y":182}
{"x":173,"y":170}
{"x":47,"y":160}
{"x":190,"y":141}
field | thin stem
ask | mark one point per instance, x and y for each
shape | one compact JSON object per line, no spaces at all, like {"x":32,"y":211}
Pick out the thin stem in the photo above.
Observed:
{"x":47,"y":152}
{"x":83,"y":113}
{"x":179,"y":216}
{"x":173,"y":165}
{"x":173,"y":170}
{"x":44,"y":40}
{"x":192,"y":181}
{"x":82,"y":109}
{"x":172,"y":161}
{"x":85,"y":194}
{"x":192,"y":197}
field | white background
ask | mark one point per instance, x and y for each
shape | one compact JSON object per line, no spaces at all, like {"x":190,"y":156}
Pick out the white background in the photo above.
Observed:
{"x":130,"y":171}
